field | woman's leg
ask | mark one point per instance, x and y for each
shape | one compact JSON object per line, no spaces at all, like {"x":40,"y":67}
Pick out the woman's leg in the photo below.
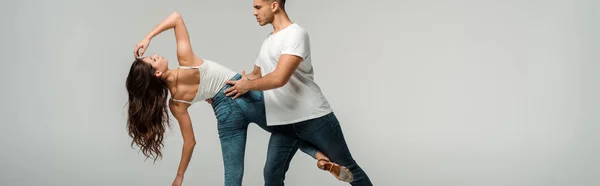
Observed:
{"x":232,"y":128}
{"x":233,"y":148}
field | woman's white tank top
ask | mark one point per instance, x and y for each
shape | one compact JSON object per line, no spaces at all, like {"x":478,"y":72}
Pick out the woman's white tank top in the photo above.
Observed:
{"x":212,"y":79}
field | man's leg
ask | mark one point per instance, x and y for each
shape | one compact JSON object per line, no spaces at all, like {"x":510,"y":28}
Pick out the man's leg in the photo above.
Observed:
{"x":253,"y":106}
{"x":282,"y":147}
{"x":307,"y":148}
{"x":326,"y":133}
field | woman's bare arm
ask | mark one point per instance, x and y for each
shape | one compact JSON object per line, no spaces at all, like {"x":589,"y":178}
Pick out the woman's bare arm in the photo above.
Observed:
{"x":180,"y":112}
{"x":185,"y":54}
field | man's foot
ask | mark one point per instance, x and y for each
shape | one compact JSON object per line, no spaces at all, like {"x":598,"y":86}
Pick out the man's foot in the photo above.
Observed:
{"x":340,"y":172}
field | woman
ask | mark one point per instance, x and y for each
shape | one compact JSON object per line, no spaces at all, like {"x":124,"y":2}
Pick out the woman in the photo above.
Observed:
{"x":150,"y":81}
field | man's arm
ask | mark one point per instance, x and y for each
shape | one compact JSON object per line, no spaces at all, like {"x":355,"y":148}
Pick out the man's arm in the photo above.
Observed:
{"x":255,"y":73}
{"x":295,"y":48}
{"x":286,"y":66}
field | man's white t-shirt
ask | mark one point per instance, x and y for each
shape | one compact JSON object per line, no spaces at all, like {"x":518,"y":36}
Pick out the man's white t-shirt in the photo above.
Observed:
{"x":300,"y":98}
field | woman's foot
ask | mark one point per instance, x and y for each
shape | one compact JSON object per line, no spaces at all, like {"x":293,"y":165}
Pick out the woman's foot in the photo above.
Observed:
{"x":340,"y":172}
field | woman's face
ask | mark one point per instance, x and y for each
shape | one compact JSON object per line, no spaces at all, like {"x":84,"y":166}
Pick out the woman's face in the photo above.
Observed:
{"x":160,"y":64}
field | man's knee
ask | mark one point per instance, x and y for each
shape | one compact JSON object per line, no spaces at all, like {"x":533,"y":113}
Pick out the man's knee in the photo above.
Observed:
{"x":273,"y":175}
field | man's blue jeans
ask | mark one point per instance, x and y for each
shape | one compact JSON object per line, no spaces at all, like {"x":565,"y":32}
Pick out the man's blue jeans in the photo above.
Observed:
{"x":325,"y":133}
{"x":233,"y":118}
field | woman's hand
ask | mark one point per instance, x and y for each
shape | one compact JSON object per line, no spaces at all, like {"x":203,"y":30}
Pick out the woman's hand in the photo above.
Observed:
{"x":178,"y":181}
{"x":140,"y":48}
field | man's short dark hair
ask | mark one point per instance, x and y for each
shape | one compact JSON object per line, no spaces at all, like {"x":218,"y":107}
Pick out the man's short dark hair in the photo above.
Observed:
{"x":281,"y":3}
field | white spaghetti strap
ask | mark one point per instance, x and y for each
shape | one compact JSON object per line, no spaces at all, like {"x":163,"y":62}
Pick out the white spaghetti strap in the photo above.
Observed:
{"x":182,"y":101}
{"x":189,"y":67}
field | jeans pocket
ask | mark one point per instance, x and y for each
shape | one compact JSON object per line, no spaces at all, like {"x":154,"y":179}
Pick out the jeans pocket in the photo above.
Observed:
{"x":332,"y":120}
{"x":223,"y":110}
{"x":336,"y":128}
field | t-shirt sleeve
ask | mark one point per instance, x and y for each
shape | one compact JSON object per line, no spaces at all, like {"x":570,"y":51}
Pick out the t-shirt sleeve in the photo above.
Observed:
{"x":257,"y":62}
{"x":296,"y":43}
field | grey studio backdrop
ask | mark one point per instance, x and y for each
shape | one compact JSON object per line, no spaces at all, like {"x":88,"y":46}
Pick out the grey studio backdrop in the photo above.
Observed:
{"x":429,"y":93}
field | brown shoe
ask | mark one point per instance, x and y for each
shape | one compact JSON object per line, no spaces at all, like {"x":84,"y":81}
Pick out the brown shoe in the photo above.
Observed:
{"x":340,"y":172}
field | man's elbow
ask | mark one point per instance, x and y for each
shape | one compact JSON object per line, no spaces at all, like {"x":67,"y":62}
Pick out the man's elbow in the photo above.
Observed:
{"x":280,"y":82}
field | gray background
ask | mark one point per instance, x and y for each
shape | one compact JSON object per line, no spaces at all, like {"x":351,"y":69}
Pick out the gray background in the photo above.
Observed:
{"x":429,"y":93}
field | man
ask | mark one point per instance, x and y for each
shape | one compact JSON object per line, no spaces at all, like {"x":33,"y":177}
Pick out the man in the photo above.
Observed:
{"x":294,"y":103}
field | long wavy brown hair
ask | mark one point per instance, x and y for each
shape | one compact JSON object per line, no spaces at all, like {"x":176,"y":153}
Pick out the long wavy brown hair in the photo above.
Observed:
{"x":148,"y":117}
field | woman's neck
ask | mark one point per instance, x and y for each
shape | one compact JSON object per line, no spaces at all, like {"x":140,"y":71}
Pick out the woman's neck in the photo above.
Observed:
{"x":171,"y":77}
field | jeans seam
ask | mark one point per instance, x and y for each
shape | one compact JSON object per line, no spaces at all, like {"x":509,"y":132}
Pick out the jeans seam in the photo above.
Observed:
{"x":228,"y":112}
{"x":332,"y":121}
{"x":287,"y":160}
{"x":335,"y":127}
{"x":244,"y":114}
